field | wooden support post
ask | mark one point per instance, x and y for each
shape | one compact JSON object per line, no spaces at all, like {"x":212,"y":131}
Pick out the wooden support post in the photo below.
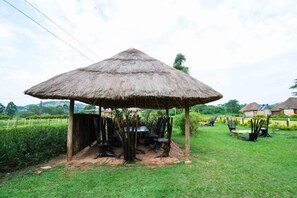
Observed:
{"x":288,"y":122}
{"x":187,"y":131}
{"x":70,"y":131}
{"x":167,"y":110}
{"x":99,"y":127}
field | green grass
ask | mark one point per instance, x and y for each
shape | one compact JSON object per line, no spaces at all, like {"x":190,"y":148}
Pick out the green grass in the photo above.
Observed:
{"x":222,"y":166}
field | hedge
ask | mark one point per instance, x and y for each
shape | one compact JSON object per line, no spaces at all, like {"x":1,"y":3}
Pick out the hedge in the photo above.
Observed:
{"x":22,"y":147}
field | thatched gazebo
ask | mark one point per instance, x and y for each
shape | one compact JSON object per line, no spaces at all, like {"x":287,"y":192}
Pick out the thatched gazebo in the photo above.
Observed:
{"x":128,"y":79}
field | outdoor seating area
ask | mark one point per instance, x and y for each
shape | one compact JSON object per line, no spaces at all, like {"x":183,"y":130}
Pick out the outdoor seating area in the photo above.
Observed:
{"x":85,"y":158}
{"x":253,"y":133}
{"x":122,"y":136}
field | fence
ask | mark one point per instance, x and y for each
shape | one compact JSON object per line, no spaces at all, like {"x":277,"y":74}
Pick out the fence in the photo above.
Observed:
{"x":15,"y":123}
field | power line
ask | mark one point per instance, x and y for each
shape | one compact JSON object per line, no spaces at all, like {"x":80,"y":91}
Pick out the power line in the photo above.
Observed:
{"x":60,"y":27}
{"x":69,"y":45}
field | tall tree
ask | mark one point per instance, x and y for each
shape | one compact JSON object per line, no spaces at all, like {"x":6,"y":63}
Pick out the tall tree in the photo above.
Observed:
{"x":11,"y":109}
{"x":294,"y":87}
{"x":178,"y":63}
{"x":232,"y":106}
{"x":2,"y":108}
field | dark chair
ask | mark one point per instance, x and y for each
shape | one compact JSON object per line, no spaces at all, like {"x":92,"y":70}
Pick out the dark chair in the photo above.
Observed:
{"x":264,"y":130}
{"x":104,"y":147}
{"x":164,"y":141}
{"x":256,"y":125}
{"x":231,"y":125}
{"x":211,"y":121}
{"x":155,"y":133}
{"x":127,"y":130}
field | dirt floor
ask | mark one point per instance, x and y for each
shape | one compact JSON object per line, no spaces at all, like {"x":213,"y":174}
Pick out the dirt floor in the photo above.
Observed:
{"x":86,"y":157}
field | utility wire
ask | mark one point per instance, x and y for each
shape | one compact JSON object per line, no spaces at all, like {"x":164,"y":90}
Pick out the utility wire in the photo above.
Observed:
{"x":69,"y":45}
{"x":60,"y":27}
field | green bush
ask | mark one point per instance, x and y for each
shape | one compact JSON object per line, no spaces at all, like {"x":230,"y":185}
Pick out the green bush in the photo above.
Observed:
{"x":59,"y":116}
{"x":288,"y":128}
{"x":22,"y":147}
{"x":260,"y":116}
{"x":195,"y":119}
{"x":293,"y":116}
{"x":149,"y":119}
{"x":4,"y":117}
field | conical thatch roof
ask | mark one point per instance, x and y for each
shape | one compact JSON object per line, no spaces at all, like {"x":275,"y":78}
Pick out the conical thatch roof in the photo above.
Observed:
{"x":250,"y":107}
{"x":290,"y":103}
{"x":128,"y":79}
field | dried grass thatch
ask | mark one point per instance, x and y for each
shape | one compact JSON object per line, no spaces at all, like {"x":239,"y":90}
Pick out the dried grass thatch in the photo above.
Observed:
{"x":290,"y":103}
{"x":128,"y":79}
{"x":250,"y":107}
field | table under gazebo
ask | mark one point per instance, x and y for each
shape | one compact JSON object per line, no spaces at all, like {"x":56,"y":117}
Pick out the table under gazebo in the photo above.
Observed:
{"x":128,"y":79}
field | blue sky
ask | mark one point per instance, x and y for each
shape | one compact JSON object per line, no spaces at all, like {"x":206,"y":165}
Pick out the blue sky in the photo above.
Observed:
{"x":246,"y":50}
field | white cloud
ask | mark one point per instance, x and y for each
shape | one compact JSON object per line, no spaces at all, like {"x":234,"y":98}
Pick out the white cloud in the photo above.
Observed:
{"x":220,"y":39}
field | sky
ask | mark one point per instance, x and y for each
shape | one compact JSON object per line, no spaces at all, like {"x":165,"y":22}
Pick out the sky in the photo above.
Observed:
{"x":246,"y":50}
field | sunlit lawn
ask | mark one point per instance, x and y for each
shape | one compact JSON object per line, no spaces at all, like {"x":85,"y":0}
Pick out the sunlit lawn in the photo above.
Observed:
{"x":222,"y":166}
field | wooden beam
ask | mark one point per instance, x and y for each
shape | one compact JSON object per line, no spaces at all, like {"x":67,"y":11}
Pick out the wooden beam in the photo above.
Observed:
{"x":187,"y":130}
{"x":70,"y":131}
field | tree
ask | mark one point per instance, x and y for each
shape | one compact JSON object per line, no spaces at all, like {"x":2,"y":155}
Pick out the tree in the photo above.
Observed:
{"x":232,"y":106}
{"x":294,"y":87}
{"x":11,"y":109}
{"x":2,"y":108}
{"x":178,"y":63}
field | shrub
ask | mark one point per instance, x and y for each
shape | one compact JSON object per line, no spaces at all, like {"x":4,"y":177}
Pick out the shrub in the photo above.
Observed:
{"x":260,"y":116}
{"x":293,"y":116}
{"x":195,"y":119}
{"x":47,"y":116}
{"x":21,"y":147}
{"x":149,"y":119}
{"x":4,"y":117}
{"x":288,"y":128}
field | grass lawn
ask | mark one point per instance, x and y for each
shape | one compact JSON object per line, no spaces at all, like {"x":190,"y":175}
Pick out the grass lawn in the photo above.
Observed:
{"x":222,"y":166}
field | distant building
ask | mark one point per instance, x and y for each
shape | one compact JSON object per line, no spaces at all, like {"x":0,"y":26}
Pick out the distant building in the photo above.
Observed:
{"x":253,"y":109}
{"x":289,"y":107}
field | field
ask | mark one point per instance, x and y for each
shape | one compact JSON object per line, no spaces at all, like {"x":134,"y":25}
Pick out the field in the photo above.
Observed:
{"x":222,"y":166}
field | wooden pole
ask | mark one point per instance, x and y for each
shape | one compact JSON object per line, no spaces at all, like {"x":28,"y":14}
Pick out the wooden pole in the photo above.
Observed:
{"x":187,"y":130}
{"x":70,"y":131}
{"x":99,"y":127}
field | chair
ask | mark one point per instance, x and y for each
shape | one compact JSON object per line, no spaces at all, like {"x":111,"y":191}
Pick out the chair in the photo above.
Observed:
{"x":159,"y":132}
{"x":211,"y":121}
{"x":264,"y":131}
{"x":231,"y":125}
{"x":104,"y":147}
{"x":155,"y":134}
{"x":164,"y":141}
{"x":127,"y":133}
{"x":256,"y":125}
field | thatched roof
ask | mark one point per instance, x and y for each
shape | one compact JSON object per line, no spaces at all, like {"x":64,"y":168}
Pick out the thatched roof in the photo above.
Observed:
{"x":290,"y":103}
{"x":128,"y":79}
{"x":250,"y":107}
